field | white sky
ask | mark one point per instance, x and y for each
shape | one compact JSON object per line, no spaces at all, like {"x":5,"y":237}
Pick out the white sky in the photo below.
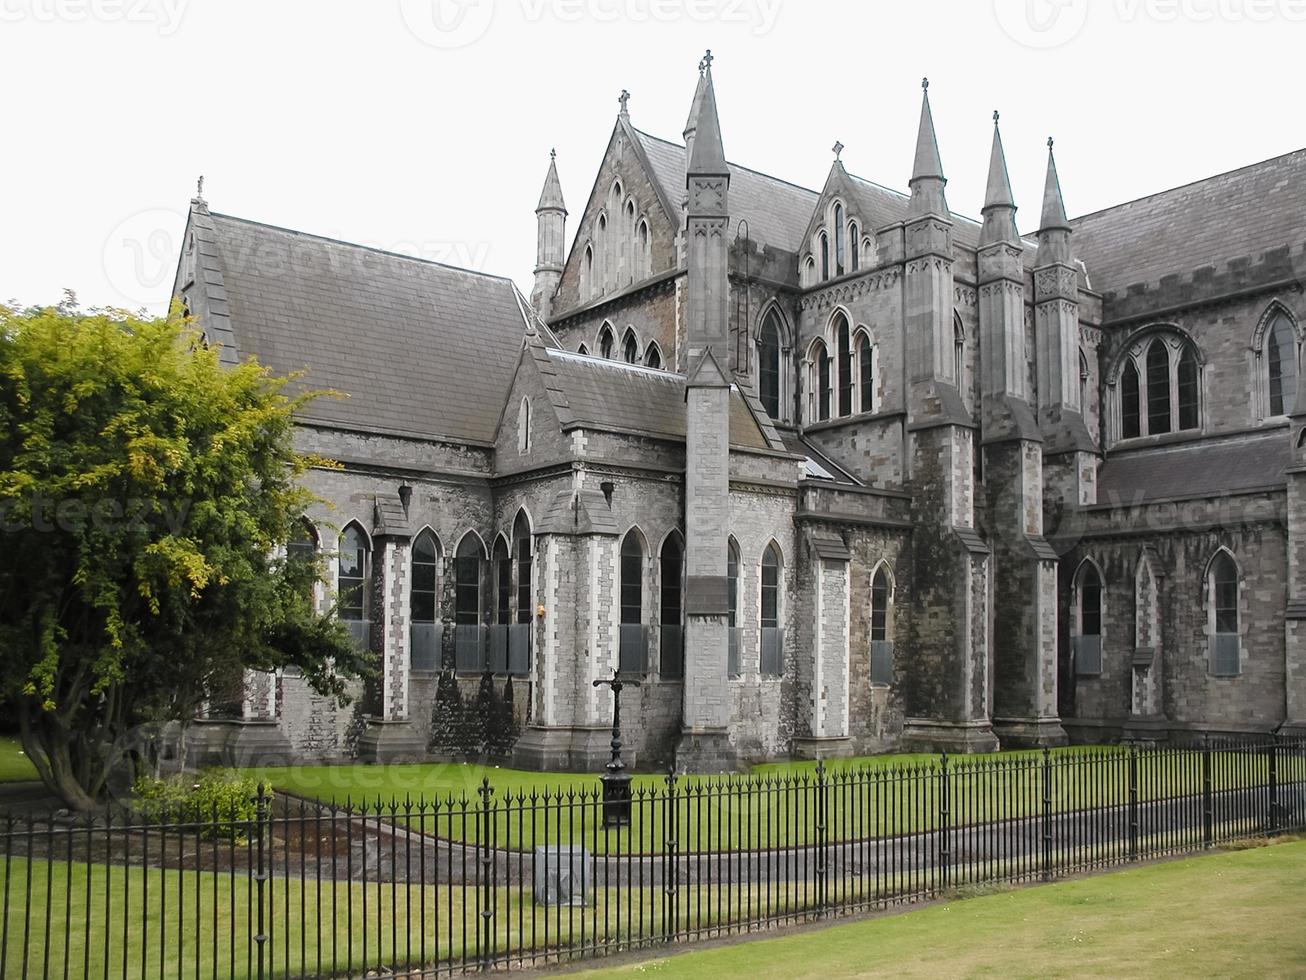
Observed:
{"x":358,"y":120}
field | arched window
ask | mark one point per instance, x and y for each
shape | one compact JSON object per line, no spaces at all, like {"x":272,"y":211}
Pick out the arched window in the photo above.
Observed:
{"x":468,"y":642}
{"x":768,"y":364}
{"x":843,"y":344}
{"x":606,"y":342}
{"x":772,"y":635}
{"x":353,"y":584}
{"x":502,"y":583}
{"x":818,"y":360}
{"x":809,"y":272}
{"x":671,"y":608}
{"x":839,"y":232}
{"x":302,"y":545}
{"x":1222,"y":602}
{"x":1281,"y":360}
{"x":1087,"y":642}
{"x":854,"y":247}
{"x":881,"y":636}
{"x":732,"y":599}
{"x":521,"y":539}
{"x":645,"y":253}
{"x":587,"y":273}
{"x":1131,"y":419}
{"x":1158,"y":388}
{"x":423,"y":602}
{"x":524,"y":427}
{"x":601,"y":280}
{"x":653,"y":356}
{"x":865,"y":372}
{"x":1083,"y":382}
{"x":630,"y":348}
{"x":633,"y":652}
{"x":825,"y":256}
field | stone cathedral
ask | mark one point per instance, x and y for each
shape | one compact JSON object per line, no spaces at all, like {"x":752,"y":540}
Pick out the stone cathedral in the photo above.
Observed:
{"x":829,"y":472}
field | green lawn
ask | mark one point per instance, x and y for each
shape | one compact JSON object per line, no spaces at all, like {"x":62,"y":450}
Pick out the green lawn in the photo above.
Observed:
{"x":1224,"y":915}
{"x":15,"y":767}
{"x":775,"y":805}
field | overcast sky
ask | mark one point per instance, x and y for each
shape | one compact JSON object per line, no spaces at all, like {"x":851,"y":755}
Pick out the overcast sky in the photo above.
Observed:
{"x":424,"y":126}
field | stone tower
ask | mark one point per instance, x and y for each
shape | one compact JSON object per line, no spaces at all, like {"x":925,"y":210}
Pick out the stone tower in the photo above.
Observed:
{"x":1025,"y":566}
{"x":704,"y":744}
{"x":948,"y":686}
{"x":551,"y":241}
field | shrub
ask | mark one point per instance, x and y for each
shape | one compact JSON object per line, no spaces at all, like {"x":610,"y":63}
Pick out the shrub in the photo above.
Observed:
{"x":447,"y":716}
{"x":222,"y":801}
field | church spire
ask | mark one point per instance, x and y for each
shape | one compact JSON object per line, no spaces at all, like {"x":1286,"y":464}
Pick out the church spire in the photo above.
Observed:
{"x":708,"y":156}
{"x":695,"y":108}
{"x":927,"y":180}
{"x":999,"y":204}
{"x":551,"y":196}
{"x":550,"y":250}
{"x":1054,"y":230}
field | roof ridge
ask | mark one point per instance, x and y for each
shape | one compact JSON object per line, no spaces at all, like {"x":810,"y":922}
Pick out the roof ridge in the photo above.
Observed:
{"x":737,"y":166}
{"x":1191,"y":183}
{"x":366,"y":248}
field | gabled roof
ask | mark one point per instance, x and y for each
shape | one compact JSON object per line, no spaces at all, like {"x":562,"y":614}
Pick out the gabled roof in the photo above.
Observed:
{"x":1245,"y":212}
{"x":1195,"y":469}
{"x":419,"y":348}
{"x":777,"y":211}
{"x":608,"y":395}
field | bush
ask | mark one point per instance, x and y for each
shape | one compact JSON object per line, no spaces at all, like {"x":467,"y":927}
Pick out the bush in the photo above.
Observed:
{"x":447,"y":716}
{"x":221,"y":800}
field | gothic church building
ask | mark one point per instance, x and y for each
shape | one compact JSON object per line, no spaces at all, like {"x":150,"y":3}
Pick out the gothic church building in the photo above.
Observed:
{"x":829,"y":472}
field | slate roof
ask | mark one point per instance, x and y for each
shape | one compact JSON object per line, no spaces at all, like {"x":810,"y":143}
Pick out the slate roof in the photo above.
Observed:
{"x":420,"y":348}
{"x":777,"y":211}
{"x":1244,"y":212}
{"x":1195,"y":469}
{"x":595,"y":393}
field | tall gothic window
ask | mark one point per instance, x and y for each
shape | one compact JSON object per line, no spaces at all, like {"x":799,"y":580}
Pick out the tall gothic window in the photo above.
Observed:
{"x":843,"y":344}
{"x":1131,"y":420}
{"x":521,"y":533}
{"x":732,"y":596}
{"x":630,"y":348}
{"x":840,"y":233}
{"x":633,"y":647}
{"x":1281,"y":359}
{"x":959,"y":355}
{"x":606,"y":342}
{"x":1222,"y":602}
{"x":865,"y":357}
{"x":353,"y":582}
{"x":1158,"y":388}
{"x":825,"y":256}
{"x":854,"y":247}
{"x":1088,"y":616}
{"x":467,"y":581}
{"x":768,"y":364}
{"x":502,"y":583}
{"x":772,"y":637}
{"x":819,"y":382}
{"x":881,"y":642}
{"x":423,"y":602}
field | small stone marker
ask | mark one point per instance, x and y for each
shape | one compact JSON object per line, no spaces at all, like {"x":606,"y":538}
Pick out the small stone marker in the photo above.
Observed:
{"x":564,"y":876}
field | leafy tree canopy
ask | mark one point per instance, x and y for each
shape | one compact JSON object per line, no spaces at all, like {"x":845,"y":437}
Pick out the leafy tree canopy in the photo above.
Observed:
{"x":146,"y":495}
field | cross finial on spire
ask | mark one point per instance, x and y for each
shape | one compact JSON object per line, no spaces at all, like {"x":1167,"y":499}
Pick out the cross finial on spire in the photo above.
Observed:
{"x":199,"y":187}
{"x":553,"y":154}
{"x":706,"y":63}
{"x":1050,"y":142}
{"x":996,"y":116}
{"x":925,"y":84}
{"x":838,"y":149}
{"x":624,"y":99}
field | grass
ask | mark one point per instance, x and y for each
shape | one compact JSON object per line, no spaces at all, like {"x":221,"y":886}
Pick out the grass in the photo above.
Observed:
{"x":15,"y":767}
{"x":878,"y":796}
{"x":1234,"y":913}
{"x":1227,"y":915}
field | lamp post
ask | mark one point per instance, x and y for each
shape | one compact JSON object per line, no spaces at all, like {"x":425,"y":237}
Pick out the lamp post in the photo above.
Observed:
{"x":616,"y":781}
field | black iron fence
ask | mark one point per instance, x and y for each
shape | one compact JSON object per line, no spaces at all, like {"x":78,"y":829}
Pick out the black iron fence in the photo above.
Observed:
{"x":287,"y":887}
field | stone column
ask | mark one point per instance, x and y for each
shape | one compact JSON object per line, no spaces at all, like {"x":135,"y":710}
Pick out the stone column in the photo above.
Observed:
{"x":825,"y":668}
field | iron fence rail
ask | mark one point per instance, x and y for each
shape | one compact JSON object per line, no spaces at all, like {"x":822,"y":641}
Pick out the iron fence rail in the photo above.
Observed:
{"x":290,"y":887}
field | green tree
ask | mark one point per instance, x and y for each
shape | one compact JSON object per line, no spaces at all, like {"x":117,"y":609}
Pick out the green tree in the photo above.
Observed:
{"x":146,"y":494}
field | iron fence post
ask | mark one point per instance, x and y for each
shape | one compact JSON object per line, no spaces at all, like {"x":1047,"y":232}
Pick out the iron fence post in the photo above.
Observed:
{"x":1047,"y":814}
{"x":1274,"y":784}
{"x":822,"y":843}
{"x":1208,"y":799}
{"x":260,"y":876}
{"x":945,"y":833}
{"x":670,"y":869}
{"x":487,"y":883}
{"x":1133,"y":802}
